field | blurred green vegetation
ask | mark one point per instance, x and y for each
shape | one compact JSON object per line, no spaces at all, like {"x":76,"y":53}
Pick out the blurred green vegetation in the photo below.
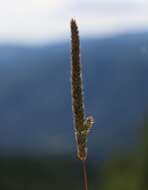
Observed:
{"x":45,"y":173}
{"x":124,"y":173}
{"x":127,"y":170}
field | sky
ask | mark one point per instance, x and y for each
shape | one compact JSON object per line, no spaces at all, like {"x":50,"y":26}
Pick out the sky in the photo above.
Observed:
{"x":42,"y":21}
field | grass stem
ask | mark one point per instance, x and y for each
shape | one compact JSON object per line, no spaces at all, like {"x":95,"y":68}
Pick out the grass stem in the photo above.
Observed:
{"x":85,"y":175}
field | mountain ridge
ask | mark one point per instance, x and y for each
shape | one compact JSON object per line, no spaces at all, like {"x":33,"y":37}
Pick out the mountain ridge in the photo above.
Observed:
{"x":35,"y":101}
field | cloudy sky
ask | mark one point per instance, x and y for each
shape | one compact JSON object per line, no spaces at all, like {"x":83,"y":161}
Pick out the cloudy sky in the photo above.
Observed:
{"x":39,"y":21}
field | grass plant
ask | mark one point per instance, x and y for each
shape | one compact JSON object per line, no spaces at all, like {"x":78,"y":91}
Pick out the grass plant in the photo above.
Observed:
{"x":82,"y":124}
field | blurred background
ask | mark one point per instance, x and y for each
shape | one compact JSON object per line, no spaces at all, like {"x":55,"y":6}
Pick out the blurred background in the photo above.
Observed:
{"x":37,"y":145}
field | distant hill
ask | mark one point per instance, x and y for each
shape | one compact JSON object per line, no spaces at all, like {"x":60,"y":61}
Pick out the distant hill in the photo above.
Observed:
{"x":35,"y":102}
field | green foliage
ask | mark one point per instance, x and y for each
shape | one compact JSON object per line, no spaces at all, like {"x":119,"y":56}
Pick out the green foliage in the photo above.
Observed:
{"x":125,"y":171}
{"x":128,"y":171}
{"x":42,"y":174}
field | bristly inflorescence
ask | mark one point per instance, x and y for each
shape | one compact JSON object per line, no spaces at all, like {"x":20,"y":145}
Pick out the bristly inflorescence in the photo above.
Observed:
{"x":82,"y":125}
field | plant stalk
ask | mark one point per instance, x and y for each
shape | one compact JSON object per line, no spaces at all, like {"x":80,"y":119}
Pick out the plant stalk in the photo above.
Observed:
{"x":85,"y":175}
{"x":82,"y":124}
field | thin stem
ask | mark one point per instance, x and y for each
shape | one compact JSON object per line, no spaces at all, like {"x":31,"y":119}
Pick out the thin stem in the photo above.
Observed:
{"x":85,"y":175}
